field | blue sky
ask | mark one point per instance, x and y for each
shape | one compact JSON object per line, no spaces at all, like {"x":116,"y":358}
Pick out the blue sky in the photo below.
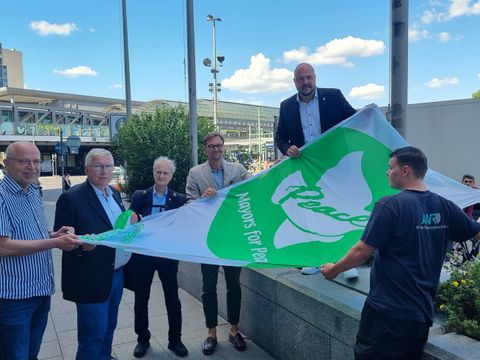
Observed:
{"x":76,"y":47}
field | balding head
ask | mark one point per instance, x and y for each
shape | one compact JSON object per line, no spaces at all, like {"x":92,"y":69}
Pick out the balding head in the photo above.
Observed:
{"x":23,"y":163}
{"x":303,"y":67}
{"x":305,"y":81}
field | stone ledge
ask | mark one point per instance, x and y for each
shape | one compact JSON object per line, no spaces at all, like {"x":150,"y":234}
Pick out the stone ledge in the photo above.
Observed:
{"x":293,"y":316}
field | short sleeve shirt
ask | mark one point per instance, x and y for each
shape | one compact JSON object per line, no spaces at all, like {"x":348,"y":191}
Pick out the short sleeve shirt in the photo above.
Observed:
{"x":22,"y":217}
{"x":411,"y":232}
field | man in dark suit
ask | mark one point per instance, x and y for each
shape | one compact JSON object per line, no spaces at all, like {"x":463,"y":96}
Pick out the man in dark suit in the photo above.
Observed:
{"x":310,"y":112}
{"x":307,"y":114}
{"x":93,"y":277}
{"x":141,"y":268}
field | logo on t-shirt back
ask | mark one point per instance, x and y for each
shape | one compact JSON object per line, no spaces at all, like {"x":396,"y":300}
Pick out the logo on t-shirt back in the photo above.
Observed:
{"x":429,"y":219}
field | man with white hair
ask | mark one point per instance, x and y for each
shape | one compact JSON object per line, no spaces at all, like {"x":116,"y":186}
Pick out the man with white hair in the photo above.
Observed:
{"x":93,"y":279}
{"x":141,"y":268}
{"x":26,"y":265}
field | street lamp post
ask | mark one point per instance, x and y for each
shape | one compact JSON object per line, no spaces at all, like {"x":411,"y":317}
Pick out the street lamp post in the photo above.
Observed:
{"x":215,"y":86}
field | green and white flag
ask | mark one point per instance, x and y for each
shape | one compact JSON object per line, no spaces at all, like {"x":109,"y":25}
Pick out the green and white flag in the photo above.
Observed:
{"x":304,"y":211}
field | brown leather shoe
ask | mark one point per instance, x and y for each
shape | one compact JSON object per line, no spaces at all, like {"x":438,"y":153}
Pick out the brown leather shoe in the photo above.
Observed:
{"x":209,"y":345}
{"x":237,"y":341}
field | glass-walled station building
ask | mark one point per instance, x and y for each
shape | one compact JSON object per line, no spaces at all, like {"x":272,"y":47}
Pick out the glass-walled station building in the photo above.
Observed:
{"x":44,"y":117}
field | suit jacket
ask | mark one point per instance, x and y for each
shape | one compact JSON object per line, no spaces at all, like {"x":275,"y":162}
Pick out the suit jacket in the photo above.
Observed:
{"x":86,"y":275}
{"x":139,"y":265}
{"x":334,"y":108}
{"x":200,"y":177}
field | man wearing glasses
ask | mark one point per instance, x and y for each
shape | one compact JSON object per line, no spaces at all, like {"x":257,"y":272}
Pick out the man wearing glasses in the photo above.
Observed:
{"x":203,"y":181}
{"x":93,"y":279}
{"x":26,"y":265}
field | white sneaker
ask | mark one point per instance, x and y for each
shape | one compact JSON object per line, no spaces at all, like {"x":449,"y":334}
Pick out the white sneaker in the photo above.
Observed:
{"x":310,"y":270}
{"x":350,"y":274}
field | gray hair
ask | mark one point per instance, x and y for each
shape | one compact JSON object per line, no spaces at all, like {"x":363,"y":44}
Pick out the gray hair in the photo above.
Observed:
{"x":167,"y":160}
{"x":96,"y":152}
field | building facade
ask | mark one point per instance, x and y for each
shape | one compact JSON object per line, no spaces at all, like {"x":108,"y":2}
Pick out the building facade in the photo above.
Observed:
{"x":11,"y":68}
{"x":43,"y":117}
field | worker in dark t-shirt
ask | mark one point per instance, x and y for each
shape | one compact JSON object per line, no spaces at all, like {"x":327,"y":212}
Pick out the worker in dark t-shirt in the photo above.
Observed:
{"x":409,"y":235}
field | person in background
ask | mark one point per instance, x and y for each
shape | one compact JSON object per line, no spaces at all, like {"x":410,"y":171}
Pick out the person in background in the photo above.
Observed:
{"x":469,"y":181}
{"x":67,"y":183}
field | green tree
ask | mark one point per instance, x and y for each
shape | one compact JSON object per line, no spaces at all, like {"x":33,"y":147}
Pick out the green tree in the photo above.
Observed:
{"x":476,"y":94}
{"x":164,"y":132}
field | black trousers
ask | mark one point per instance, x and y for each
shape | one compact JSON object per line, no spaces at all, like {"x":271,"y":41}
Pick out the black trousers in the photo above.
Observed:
{"x":209,"y":294}
{"x":381,"y":337}
{"x":167,"y":272}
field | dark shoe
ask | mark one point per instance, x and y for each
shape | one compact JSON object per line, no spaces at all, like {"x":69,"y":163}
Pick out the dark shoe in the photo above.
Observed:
{"x":237,"y":341}
{"x":178,"y":348}
{"x":141,"y":349}
{"x":209,"y":345}
{"x":113,"y":357}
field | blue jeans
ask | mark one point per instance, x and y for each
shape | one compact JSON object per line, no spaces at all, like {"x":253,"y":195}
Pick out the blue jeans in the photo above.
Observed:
{"x":22,"y":324}
{"x":96,"y":323}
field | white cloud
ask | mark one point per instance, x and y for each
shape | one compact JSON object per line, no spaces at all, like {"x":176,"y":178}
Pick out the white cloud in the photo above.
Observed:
{"x":444,"y":37}
{"x":428,"y":17}
{"x":92,"y":29}
{"x":115,"y":86}
{"x":45,"y":28}
{"x":259,"y":77}
{"x":438,"y":83}
{"x":463,"y":7}
{"x":336,"y":52}
{"x":367,"y":92}
{"x":442,"y":12}
{"x":415,"y":34}
{"x":77,"y":71}
{"x":479,"y":75}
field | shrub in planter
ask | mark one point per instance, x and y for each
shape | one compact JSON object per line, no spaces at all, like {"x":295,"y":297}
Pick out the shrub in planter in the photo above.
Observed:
{"x":459,"y":298}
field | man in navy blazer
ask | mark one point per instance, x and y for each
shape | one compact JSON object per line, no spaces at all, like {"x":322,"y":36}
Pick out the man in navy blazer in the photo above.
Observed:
{"x":92,"y":277}
{"x":310,"y":112}
{"x":141,"y":268}
{"x":307,"y":114}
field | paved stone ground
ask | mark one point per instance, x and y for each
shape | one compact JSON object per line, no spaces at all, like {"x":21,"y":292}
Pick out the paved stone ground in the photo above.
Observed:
{"x":60,"y":343}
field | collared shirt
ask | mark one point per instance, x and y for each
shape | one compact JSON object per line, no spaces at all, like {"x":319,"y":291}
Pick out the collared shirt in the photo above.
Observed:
{"x":218,"y":177}
{"x":310,"y":118}
{"x":159,"y":201}
{"x":113,"y":211}
{"x":22,"y":217}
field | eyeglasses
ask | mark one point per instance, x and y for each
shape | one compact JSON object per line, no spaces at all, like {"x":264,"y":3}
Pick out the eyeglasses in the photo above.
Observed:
{"x":215,"y":146}
{"x":26,"y":162}
{"x":101,"y":167}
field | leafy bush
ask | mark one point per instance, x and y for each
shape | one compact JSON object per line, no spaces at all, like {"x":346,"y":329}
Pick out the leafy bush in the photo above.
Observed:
{"x":459,"y":297}
{"x":164,"y":132}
